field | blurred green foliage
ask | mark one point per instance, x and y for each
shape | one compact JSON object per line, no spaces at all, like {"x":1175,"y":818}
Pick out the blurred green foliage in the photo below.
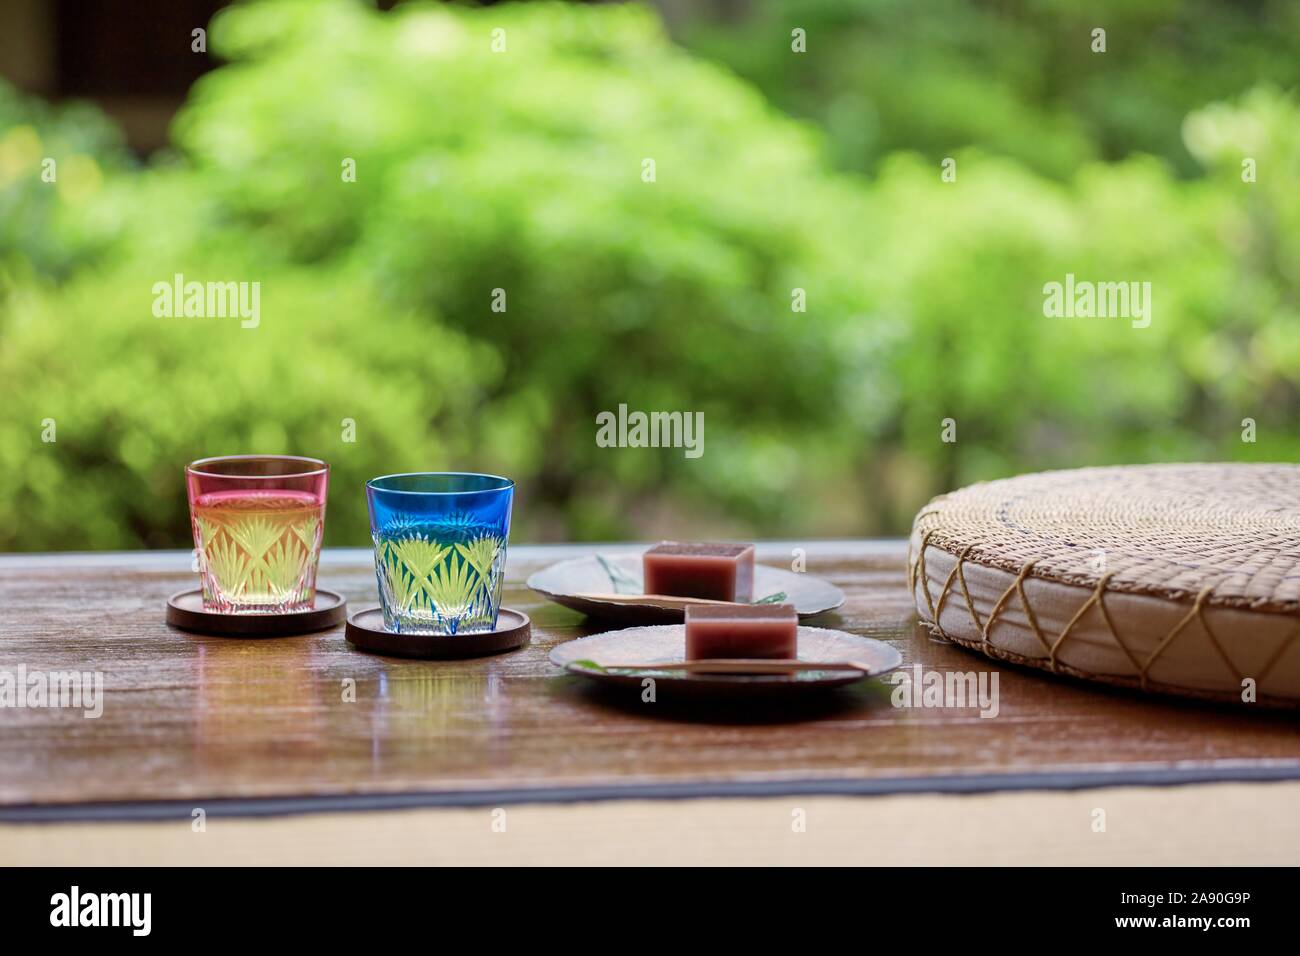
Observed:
{"x":42,"y":229}
{"x":1017,"y":78}
{"x":523,"y":171}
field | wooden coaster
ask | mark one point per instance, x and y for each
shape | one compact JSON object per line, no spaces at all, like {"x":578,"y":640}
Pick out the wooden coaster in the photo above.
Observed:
{"x":185,"y":610}
{"x":365,"y":631}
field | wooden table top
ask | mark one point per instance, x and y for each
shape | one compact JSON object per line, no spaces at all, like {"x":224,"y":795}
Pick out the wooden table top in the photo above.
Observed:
{"x":262,"y":726}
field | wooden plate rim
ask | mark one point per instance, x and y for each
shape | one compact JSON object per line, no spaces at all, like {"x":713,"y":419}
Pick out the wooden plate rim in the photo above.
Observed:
{"x":652,"y":613}
{"x":733,"y":683}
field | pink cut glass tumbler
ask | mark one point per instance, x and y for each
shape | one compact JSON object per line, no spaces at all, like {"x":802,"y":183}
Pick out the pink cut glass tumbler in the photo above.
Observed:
{"x":258,"y":522}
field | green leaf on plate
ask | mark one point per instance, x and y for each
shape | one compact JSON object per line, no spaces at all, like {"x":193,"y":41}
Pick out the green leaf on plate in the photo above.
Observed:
{"x":623,"y":582}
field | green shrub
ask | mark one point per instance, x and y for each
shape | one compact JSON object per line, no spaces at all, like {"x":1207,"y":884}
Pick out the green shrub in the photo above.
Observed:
{"x":1016,"y":78}
{"x":476,"y":171}
{"x":51,"y":162}
{"x":965,"y":301}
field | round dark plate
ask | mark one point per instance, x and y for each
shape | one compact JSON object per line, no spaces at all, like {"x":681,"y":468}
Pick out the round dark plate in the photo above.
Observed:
{"x":185,"y":610}
{"x":365,"y":631}
{"x":667,"y":643}
{"x":570,"y":582}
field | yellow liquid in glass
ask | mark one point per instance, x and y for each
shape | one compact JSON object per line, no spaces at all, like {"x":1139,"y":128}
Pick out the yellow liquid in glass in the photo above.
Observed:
{"x":258,"y":550}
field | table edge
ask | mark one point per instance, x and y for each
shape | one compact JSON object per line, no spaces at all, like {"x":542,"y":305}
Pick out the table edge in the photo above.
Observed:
{"x":145,"y":810}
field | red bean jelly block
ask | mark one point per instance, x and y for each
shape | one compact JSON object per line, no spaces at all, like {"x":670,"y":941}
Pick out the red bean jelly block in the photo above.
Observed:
{"x":744,"y":631}
{"x":720,"y":572}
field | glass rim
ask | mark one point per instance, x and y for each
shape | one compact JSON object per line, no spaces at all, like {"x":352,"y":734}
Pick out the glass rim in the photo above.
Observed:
{"x":506,"y":484}
{"x":199,"y":467}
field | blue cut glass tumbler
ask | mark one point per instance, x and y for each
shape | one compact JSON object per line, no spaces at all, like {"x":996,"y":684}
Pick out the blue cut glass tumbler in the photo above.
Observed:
{"x":440,"y":549}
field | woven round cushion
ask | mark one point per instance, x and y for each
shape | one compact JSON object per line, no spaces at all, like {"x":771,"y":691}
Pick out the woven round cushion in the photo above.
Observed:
{"x":1180,"y":579}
